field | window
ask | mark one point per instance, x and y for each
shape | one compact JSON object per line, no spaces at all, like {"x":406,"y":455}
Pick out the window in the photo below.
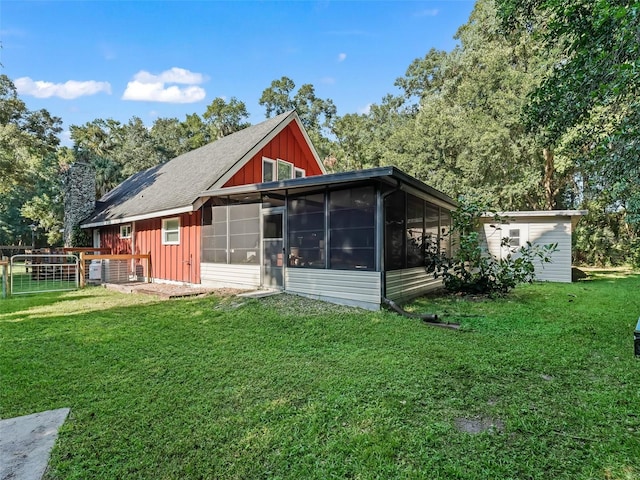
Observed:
{"x":415,"y":232}
{"x":445,"y":233}
{"x":233,"y":236}
{"x":285,"y":170}
{"x":352,"y":229}
{"x":394,"y":231}
{"x":214,"y":235}
{"x":273,"y":170}
{"x":306,"y":215}
{"x":125,"y":231}
{"x":244,"y":233}
{"x":268,"y":170}
{"x":514,"y":237}
{"x":171,"y":231}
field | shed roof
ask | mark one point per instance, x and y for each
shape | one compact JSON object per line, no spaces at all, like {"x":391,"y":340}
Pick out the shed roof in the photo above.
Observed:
{"x":175,"y":186}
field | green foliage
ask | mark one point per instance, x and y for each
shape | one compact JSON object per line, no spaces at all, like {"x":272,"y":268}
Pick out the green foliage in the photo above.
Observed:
{"x":223,"y":118}
{"x":473,"y":269}
{"x":29,"y":188}
{"x":80,"y":238}
{"x":316,"y":114}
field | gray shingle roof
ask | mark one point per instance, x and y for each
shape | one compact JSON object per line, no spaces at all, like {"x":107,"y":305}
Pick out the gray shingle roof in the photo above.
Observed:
{"x":178,"y":183}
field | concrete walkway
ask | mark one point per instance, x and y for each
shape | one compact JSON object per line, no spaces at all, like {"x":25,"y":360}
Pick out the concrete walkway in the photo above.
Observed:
{"x":26,"y":443}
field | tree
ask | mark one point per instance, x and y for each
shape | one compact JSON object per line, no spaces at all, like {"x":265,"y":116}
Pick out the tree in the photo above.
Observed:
{"x":316,"y":114}
{"x":28,"y":142}
{"x":26,"y":136}
{"x":467,"y":134}
{"x":168,"y":136}
{"x":222,"y":118}
{"x":597,"y":78}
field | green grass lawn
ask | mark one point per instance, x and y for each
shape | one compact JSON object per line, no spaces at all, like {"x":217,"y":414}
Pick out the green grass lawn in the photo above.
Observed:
{"x":289,"y":388}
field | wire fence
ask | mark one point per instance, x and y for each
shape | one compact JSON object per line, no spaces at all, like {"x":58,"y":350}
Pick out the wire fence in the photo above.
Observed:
{"x":39,"y":273}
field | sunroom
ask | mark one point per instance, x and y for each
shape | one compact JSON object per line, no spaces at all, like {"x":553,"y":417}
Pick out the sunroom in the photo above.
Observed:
{"x":351,"y":238}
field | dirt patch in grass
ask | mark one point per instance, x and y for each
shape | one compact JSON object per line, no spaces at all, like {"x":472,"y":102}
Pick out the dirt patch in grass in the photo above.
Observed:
{"x":479,"y":425}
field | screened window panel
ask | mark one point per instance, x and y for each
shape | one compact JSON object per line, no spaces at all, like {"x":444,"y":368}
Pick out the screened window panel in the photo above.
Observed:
{"x":415,"y":232}
{"x":306,"y":218}
{"x":445,"y":233}
{"x":244,"y":233}
{"x":394,"y":231}
{"x":214,"y":236}
{"x":431,"y":235}
{"x":352,"y":229}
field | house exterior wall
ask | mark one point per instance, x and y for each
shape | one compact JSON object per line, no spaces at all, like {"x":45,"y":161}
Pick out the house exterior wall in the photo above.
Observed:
{"x":223,"y":275}
{"x":177,"y":263}
{"x":288,"y":145}
{"x":345,"y":287}
{"x":403,"y":285}
{"x":110,"y":238}
{"x":538,"y":231}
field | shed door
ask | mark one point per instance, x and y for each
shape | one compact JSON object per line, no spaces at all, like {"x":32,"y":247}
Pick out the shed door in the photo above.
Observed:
{"x":272,"y":249}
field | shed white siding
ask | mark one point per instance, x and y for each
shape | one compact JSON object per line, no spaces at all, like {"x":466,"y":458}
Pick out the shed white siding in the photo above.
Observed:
{"x":539,"y":228}
{"x":403,"y":285}
{"x":220,"y":275}
{"x":346,"y":287}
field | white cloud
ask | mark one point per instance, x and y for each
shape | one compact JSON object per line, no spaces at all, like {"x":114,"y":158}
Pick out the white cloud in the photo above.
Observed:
{"x":342,"y":57}
{"x":365,"y":110}
{"x":68,"y":90}
{"x":146,"y":86}
{"x":427,"y":13}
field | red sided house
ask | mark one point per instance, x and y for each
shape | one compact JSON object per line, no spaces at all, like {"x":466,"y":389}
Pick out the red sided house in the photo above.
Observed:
{"x":256,"y":209}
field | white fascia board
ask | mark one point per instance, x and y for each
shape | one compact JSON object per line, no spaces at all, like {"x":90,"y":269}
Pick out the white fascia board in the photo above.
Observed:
{"x":144,"y":216}
{"x":540,"y":213}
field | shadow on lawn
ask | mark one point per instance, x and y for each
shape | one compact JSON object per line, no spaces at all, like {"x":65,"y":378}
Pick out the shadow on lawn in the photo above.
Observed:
{"x":20,"y":303}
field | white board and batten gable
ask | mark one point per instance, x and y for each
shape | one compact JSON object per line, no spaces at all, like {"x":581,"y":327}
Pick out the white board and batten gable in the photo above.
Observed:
{"x":540,"y":227}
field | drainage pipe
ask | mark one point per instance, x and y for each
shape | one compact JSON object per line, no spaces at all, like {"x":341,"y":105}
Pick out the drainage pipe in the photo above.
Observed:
{"x":428,"y":318}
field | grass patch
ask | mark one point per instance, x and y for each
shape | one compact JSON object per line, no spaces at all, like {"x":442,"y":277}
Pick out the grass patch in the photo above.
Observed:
{"x":285,"y":387}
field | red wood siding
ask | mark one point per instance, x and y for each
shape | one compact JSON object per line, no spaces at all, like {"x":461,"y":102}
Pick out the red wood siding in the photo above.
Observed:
{"x":288,"y":145}
{"x":110,"y":238}
{"x":179,"y":263}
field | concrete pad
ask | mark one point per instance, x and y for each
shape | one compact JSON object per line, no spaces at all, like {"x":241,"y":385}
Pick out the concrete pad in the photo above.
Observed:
{"x":259,"y":293}
{"x":26,"y":443}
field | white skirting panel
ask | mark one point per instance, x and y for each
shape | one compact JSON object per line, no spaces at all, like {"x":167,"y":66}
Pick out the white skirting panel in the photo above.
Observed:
{"x":220,"y":275}
{"x":403,"y":285}
{"x":345,"y":287}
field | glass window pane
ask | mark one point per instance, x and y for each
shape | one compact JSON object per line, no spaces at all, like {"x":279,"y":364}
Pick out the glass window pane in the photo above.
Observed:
{"x":267,"y":171}
{"x":285,"y":170}
{"x":171,"y":231}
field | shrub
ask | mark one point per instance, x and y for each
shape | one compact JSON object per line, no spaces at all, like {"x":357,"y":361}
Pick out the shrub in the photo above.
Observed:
{"x":473,"y":269}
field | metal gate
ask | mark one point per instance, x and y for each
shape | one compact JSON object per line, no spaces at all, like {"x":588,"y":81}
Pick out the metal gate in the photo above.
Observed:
{"x":43,"y":273}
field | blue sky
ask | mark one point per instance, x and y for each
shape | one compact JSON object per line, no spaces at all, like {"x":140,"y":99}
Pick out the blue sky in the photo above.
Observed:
{"x":83,"y":60}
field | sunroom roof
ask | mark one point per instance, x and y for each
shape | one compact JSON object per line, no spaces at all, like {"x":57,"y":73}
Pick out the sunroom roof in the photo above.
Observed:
{"x":392,"y":176}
